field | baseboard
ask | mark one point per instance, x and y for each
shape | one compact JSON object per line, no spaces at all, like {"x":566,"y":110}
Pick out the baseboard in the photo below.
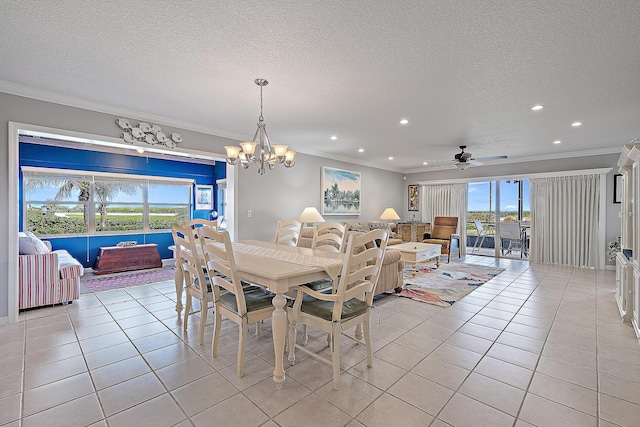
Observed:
{"x":4,"y":321}
{"x":609,"y":267}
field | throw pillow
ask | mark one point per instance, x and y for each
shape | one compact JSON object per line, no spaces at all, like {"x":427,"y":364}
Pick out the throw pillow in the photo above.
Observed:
{"x":355,"y":227}
{"x":29,"y":244}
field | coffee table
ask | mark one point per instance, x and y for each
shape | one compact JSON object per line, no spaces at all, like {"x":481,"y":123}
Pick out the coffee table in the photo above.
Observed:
{"x":414,"y":252}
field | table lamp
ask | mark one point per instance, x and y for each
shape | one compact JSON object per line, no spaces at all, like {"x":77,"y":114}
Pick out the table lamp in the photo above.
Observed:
{"x":310,"y":214}
{"x":390,"y":214}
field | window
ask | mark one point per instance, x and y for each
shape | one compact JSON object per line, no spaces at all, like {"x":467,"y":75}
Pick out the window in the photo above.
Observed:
{"x":67,"y":203}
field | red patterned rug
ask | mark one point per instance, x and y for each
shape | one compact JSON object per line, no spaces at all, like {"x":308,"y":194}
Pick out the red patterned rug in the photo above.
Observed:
{"x":92,"y":283}
{"x":447,"y":284}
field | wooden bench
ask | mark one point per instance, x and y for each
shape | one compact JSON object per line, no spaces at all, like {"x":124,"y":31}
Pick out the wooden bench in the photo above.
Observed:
{"x":116,"y":259}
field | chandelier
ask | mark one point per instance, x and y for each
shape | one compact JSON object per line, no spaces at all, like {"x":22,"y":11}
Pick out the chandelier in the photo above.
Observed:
{"x":266,"y":155}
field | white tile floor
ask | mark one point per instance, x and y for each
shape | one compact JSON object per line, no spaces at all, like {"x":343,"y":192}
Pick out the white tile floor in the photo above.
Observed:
{"x":537,"y":345}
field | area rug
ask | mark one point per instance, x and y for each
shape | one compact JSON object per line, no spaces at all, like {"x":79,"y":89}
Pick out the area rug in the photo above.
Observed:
{"x":90,"y":283}
{"x":447,"y":284}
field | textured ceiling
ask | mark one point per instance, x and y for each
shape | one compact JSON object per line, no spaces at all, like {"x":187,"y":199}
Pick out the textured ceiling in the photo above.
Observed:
{"x":462,"y":72}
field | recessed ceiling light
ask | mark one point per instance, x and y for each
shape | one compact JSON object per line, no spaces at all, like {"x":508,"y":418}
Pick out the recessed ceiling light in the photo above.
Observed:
{"x":360,"y":150}
{"x":140,"y":150}
{"x":425,"y":163}
{"x":404,"y":121}
{"x":537,"y":107}
{"x":557,"y":141}
{"x":333,"y":137}
{"x":576,"y":124}
{"x":390,"y":158}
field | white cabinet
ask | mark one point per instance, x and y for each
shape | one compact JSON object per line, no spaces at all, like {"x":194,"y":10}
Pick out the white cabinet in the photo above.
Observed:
{"x":624,"y":286}
{"x":628,"y":268}
{"x":635,"y":307}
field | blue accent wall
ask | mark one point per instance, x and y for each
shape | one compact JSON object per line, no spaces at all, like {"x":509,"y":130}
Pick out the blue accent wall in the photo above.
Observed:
{"x":85,"y":248}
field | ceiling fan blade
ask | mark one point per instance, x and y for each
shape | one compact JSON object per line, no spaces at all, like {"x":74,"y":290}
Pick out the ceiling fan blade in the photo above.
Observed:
{"x":490,"y":158}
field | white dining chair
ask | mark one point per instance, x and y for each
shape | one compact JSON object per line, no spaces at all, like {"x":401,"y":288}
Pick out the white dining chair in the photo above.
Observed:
{"x":349,"y":306}
{"x":196,"y":283}
{"x":240,"y":303}
{"x":329,"y":236}
{"x":288,"y":232}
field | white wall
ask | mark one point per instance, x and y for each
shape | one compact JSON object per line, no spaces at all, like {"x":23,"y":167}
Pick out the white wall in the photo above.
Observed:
{"x":281,"y":193}
{"x":284,"y":193}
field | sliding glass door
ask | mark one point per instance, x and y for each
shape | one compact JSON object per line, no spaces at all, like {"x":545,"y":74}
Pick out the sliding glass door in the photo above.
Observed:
{"x":481,"y":218}
{"x":498,"y":218}
{"x":515,"y":218}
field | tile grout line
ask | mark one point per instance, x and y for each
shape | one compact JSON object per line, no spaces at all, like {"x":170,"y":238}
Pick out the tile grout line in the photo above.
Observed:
{"x":534,"y":370}
{"x":483,"y":355}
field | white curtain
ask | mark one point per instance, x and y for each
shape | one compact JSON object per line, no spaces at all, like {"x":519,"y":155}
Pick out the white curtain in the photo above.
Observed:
{"x":447,"y":200}
{"x":565,"y":215}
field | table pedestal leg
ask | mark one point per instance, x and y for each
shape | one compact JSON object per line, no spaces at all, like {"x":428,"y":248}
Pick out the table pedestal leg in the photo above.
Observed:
{"x":179,"y":278}
{"x":279,"y":327}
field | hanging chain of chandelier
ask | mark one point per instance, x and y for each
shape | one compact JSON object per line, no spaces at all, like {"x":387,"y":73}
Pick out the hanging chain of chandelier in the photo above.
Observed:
{"x":259,"y":151}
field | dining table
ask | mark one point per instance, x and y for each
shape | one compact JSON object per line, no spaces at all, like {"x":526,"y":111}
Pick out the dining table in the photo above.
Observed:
{"x":279,"y":268}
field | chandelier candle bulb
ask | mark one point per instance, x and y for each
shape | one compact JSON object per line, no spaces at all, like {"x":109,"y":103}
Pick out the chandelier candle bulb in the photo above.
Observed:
{"x":288,"y":158}
{"x":280,"y":150}
{"x":232,"y":151}
{"x":248,"y":148}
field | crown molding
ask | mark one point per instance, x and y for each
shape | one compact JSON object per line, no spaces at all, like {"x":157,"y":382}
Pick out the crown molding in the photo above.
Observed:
{"x":72,"y":101}
{"x":543,"y":157}
{"x":597,"y":171}
{"x":348,"y":160}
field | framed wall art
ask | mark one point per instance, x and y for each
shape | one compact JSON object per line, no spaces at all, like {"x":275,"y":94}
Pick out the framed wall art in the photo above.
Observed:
{"x":340,"y":191}
{"x":204,"y":197}
{"x":414,"y":198}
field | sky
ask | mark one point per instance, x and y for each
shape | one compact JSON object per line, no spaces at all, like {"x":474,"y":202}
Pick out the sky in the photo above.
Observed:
{"x":157,"y":194}
{"x":478,"y":196}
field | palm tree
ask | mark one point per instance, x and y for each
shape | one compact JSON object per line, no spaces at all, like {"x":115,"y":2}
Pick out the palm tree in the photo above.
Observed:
{"x":66,"y":189}
{"x":103,"y":193}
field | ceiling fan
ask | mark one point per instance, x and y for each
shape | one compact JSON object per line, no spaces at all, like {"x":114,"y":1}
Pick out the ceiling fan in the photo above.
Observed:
{"x":465,"y":159}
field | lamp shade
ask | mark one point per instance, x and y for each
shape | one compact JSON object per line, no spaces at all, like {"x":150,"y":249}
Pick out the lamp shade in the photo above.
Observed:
{"x":310,"y":214}
{"x":390,"y":214}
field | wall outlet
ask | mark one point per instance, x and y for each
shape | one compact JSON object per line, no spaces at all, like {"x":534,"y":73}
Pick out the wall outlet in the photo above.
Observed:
{"x":249,"y":213}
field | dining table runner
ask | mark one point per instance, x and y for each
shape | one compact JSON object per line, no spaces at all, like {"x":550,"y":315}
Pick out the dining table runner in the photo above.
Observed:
{"x":331,"y":266}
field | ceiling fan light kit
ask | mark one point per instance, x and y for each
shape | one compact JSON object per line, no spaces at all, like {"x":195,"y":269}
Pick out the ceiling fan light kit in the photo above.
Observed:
{"x":465,"y":159}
